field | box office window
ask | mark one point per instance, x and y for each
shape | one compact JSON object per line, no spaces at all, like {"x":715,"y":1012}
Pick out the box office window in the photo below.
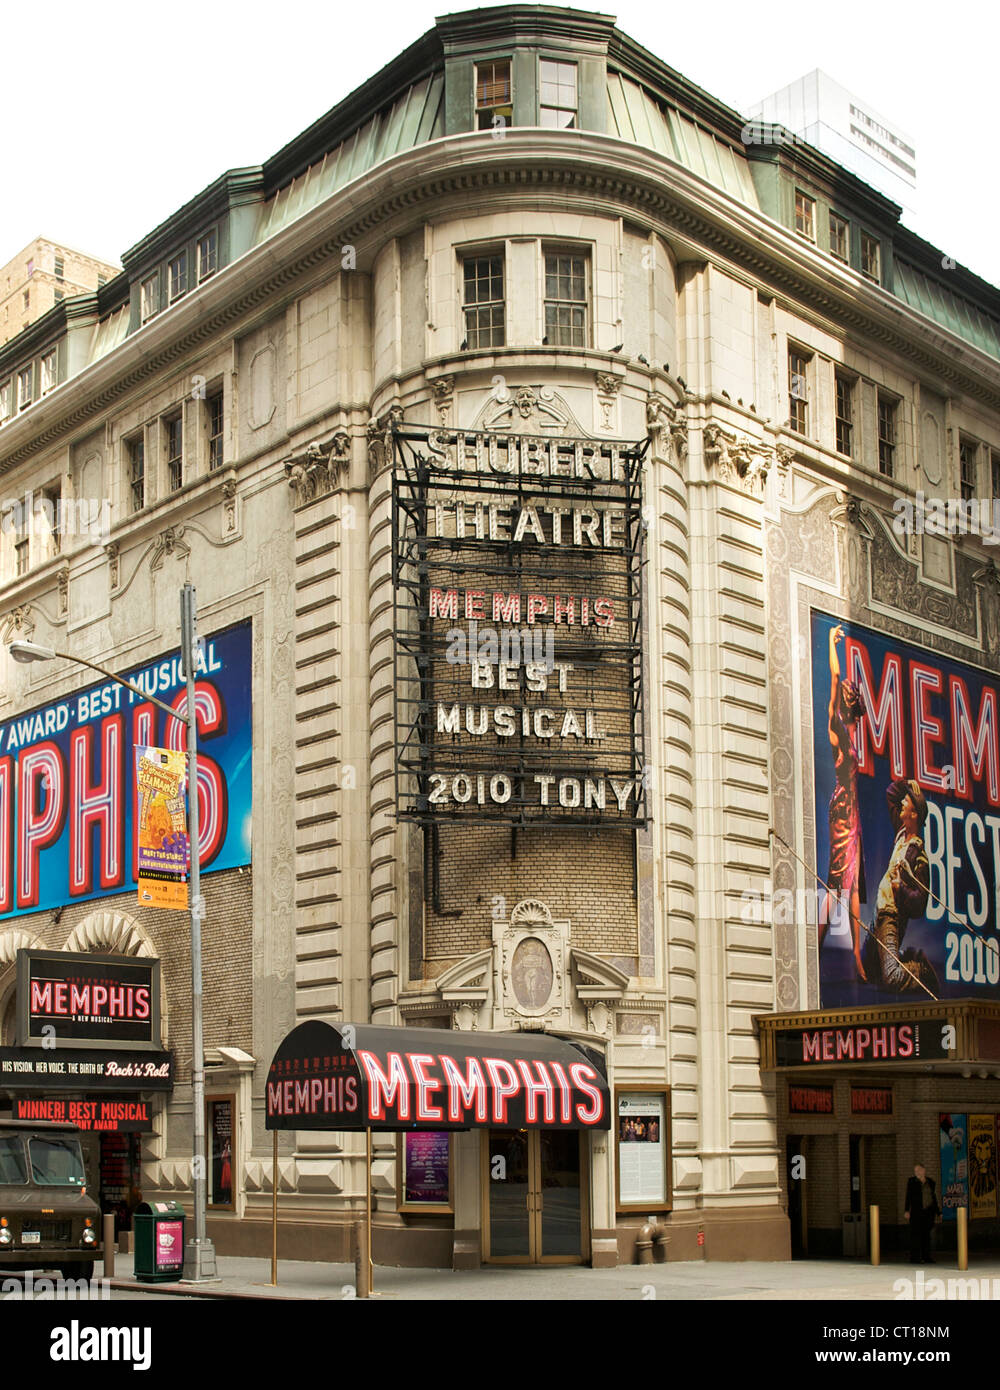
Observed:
{"x":220,"y":1132}
{"x":424,"y":1171}
{"x":642,"y":1149}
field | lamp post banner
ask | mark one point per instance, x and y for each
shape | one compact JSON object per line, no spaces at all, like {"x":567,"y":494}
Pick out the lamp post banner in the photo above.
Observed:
{"x":69,"y":794}
{"x":162,"y":848}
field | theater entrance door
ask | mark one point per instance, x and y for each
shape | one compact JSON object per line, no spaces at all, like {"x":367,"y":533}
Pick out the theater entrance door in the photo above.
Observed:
{"x":535,"y":1196}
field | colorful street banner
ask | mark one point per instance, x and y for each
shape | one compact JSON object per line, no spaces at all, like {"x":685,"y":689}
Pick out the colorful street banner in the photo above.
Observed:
{"x":982,"y":1166}
{"x":954,"y":1165}
{"x":68,"y":795}
{"x":163,"y":852}
{"x":906,"y":751}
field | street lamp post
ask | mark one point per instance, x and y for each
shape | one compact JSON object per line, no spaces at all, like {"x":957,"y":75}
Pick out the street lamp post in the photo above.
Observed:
{"x":199,"y":1253}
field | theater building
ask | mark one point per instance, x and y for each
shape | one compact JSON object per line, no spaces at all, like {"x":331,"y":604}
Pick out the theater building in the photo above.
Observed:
{"x":529,"y":425}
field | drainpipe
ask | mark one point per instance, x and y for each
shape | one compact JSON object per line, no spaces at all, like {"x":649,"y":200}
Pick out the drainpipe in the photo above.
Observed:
{"x":651,"y":1231}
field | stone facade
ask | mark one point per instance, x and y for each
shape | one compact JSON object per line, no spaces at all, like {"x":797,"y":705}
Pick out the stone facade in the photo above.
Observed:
{"x":341,"y":316}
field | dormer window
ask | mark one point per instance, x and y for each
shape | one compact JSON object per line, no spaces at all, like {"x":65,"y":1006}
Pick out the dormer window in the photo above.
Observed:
{"x":493,"y":98}
{"x":557,"y":95}
{"x":150,"y":296}
{"x":208,"y":255}
{"x":177,"y":272}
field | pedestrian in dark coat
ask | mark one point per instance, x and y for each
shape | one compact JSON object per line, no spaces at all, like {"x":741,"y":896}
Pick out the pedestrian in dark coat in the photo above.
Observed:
{"x":921,"y":1211}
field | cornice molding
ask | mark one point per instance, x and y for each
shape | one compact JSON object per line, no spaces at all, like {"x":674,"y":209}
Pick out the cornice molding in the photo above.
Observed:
{"x":602,"y":172}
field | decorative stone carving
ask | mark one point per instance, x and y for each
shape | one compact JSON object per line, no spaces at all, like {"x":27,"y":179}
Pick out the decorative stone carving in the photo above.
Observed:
{"x":379,"y":434}
{"x":666,"y":426}
{"x":169,"y":542}
{"x":443,"y":391}
{"x":527,"y":409}
{"x":784,"y":457}
{"x":112,"y":932}
{"x":742,"y":461}
{"x":113,"y":551}
{"x":229,"y":502}
{"x":19,"y":620}
{"x":310,"y":472}
{"x":608,"y":387}
{"x":63,"y":581}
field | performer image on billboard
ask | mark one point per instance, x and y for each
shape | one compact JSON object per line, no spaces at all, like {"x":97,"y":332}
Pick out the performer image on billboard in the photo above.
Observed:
{"x":846,"y":875}
{"x":902,"y":895}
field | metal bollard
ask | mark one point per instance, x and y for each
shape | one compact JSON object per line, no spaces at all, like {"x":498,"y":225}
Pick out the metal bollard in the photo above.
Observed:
{"x":963,"y":1237}
{"x":109,"y":1245}
{"x":876,"y":1240}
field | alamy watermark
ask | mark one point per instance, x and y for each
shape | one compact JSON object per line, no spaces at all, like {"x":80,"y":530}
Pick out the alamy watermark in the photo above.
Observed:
{"x":40,"y":514}
{"x":948,"y":516}
{"x":789,"y":907}
{"x":31,"y":1288}
{"x":493,"y":646}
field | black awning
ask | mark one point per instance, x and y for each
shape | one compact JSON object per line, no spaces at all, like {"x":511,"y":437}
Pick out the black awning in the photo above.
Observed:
{"x":357,"y":1076}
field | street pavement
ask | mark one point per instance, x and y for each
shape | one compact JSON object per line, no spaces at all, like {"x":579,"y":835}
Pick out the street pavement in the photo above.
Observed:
{"x":805,"y":1280}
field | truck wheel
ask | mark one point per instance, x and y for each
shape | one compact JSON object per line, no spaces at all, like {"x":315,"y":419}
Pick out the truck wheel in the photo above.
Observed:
{"x":79,"y":1269}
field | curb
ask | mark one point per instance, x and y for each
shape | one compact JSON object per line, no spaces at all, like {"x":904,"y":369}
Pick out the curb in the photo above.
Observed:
{"x":202,"y":1291}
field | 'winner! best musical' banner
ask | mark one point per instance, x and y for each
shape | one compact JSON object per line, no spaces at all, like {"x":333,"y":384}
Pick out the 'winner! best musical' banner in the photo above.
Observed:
{"x":68,"y":795}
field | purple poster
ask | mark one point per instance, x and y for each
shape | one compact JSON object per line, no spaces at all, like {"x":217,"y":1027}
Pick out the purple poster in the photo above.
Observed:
{"x":907,"y":809}
{"x":426,"y":1167}
{"x":169,"y":1244}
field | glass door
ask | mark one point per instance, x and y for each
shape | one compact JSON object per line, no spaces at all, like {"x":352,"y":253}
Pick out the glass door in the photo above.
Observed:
{"x":535,"y":1197}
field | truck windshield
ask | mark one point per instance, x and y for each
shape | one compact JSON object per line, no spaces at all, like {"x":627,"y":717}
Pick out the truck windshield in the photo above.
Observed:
{"x":56,"y":1162}
{"x":12,"y":1167}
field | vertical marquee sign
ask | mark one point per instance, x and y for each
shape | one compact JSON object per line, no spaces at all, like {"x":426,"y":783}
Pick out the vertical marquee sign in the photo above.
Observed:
{"x":517,"y":568}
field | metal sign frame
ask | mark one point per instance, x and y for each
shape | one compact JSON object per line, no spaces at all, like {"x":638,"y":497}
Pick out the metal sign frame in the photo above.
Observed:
{"x":612,"y":668}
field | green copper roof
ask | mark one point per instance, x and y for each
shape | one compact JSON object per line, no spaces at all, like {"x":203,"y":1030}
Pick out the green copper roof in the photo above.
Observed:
{"x":635,"y":116}
{"x":413,"y":120}
{"x":950,"y":310}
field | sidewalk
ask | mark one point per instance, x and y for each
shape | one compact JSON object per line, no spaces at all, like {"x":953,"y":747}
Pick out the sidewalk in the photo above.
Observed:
{"x":808,"y":1280}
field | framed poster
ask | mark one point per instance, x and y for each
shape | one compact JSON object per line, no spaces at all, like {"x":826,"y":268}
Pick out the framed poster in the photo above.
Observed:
{"x":424,"y":1171}
{"x":220,"y":1133}
{"x":954,"y":1192}
{"x":642,"y":1144}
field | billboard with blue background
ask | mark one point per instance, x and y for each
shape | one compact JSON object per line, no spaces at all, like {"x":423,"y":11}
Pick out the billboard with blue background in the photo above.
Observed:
{"x":67,"y":777}
{"x":907,"y":796}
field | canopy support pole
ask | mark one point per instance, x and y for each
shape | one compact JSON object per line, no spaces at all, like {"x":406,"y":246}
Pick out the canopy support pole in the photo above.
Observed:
{"x":274,"y":1209}
{"x":368,"y":1208}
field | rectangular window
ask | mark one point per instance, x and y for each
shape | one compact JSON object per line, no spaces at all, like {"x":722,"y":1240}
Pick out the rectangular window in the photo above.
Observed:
{"x":798,"y":394}
{"x":21,"y":544}
{"x":177,"y":272}
{"x":871,"y":260}
{"x":25,"y":387}
{"x":6,"y":400}
{"x":48,"y":365}
{"x":557,"y":105}
{"x":566,"y":299}
{"x":135,"y":452}
{"x":840,"y":242}
{"x":805,"y":215}
{"x":215,"y":420}
{"x":484,"y":302}
{"x":174,"y":436}
{"x":994,"y":463}
{"x":493,"y":98}
{"x":59,"y":296}
{"x":967,"y":466}
{"x":60,"y":267}
{"x":845,"y":414}
{"x":27,"y":299}
{"x":208,"y":255}
{"x":51,"y":517}
{"x":887,"y":409}
{"x":150,"y":292}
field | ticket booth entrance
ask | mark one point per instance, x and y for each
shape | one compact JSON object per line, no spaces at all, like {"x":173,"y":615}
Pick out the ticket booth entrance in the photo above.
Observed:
{"x":535,"y":1198}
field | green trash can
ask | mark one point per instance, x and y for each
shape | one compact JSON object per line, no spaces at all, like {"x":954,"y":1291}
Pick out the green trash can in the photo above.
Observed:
{"x":159,"y":1242}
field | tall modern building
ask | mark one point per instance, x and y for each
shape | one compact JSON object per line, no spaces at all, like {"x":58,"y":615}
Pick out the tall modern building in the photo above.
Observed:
{"x":598,"y":766}
{"x":41,"y":276}
{"x":827,"y":116}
